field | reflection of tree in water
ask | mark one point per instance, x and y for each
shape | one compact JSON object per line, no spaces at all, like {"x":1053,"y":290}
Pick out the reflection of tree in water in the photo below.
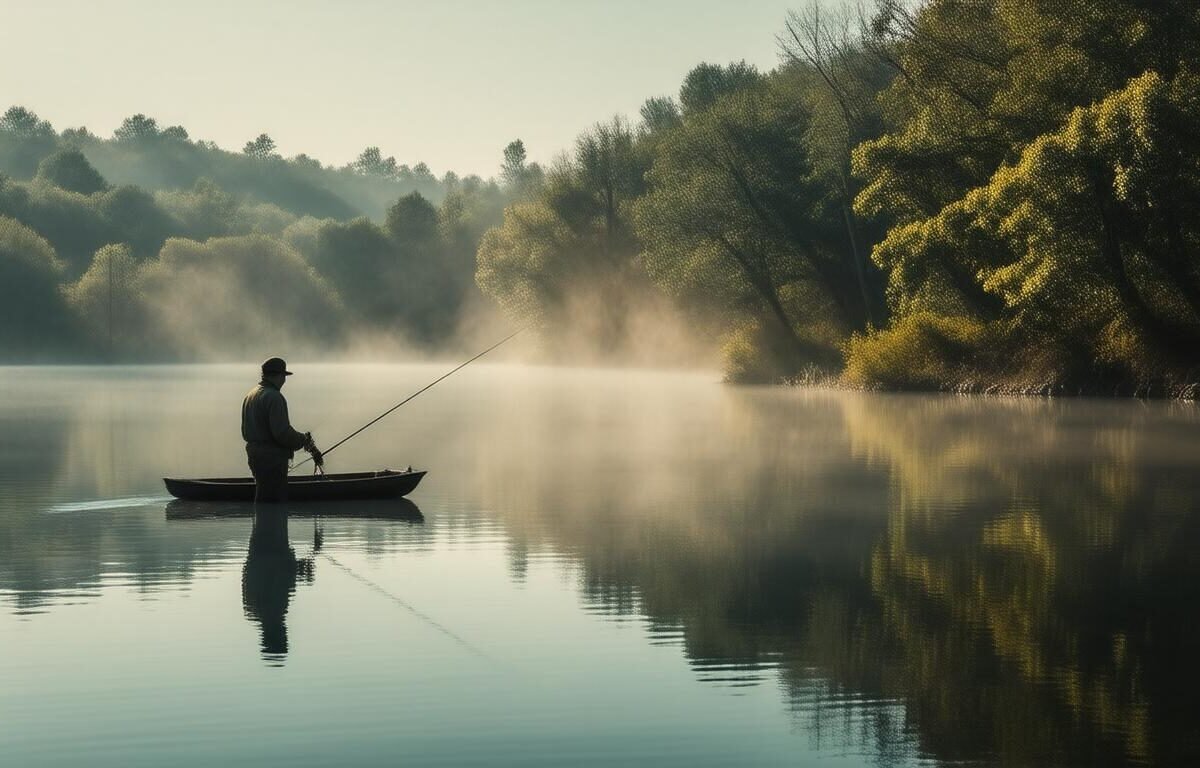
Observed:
{"x":1038,"y":609}
{"x":722,"y":544}
{"x":1012,"y":581}
{"x":67,"y":441}
{"x":269,"y":578}
{"x":27,"y":469}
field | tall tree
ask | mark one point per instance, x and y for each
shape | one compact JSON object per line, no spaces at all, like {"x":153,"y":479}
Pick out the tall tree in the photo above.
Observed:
{"x":731,"y":215}
{"x":260,"y":147}
{"x":23,"y":122}
{"x":608,"y":173}
{"x":840,"y":79}
{"x":371,"y":162}
{"x":521,"y":178}
{"x":1103,"y":241}
{"x":708,"y":82}
{"x":659,"y":115}
{"x":70,"y":170}
{"x":25,"y":140}
{"x":412,"y":221}
{"x":33,"y":325}
{"x":512,"y":170}
{"x":136,"y":128}
{"x":175,"y":133}
{"x":106,"y":300}
{"x":572,"y":245}
{"x":1011,"y":124}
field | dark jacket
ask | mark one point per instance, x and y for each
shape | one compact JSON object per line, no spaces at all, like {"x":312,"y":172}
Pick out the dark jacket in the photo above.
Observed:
{"x":265,"y":425}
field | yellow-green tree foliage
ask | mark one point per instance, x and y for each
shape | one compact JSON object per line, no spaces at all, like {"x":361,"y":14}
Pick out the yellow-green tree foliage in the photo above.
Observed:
{"x":1038,"y":171}
{"x":107,"y":301}
{"x":1100,"y":228}
{"x":520,"y":262}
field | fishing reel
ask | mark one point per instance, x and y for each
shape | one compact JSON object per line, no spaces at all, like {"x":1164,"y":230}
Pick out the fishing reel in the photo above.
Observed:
{"x":318,"y":458}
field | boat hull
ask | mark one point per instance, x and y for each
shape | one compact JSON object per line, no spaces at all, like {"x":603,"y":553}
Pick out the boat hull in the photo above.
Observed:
{"x":384,"y":484}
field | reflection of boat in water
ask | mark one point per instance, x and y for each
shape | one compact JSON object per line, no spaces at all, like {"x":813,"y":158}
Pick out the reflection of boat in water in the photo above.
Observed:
{"x":370,"y":509}
{"x":384,"y":484}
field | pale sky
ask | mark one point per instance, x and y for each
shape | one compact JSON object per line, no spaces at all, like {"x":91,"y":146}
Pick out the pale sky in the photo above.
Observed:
{"x":448,"y":82}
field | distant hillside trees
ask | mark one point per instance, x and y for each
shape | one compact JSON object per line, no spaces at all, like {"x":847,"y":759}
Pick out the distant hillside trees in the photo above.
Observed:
{"x":136,"y":128}
{"x":24,"y":140}
{"x":156,"y":158}
{"x":228,"y":296}
{"x":261,"y":147}
{"x":100,"y":270}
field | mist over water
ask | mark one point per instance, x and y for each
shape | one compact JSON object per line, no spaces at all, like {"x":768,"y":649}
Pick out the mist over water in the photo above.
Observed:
{"x":602,"y":567}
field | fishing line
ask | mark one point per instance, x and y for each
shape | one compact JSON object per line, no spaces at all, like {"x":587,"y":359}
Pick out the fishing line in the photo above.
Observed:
{"x":425,"y":388}
{"x":408,"y":607}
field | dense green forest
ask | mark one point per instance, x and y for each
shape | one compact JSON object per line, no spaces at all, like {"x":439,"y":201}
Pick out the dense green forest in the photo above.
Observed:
{"x":994,"y":195}
{"x":979,"y":195}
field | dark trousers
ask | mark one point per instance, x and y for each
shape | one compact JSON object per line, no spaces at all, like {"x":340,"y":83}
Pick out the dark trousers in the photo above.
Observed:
{"x":270,"y":478}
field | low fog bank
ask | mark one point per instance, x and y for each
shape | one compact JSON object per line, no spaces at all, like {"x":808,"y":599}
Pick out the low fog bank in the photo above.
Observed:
{"x":242,"y":298}
{"x":97,"y":272}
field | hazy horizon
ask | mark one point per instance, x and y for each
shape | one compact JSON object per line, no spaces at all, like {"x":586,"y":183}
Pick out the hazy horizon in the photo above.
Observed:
{"x":415,"y":79}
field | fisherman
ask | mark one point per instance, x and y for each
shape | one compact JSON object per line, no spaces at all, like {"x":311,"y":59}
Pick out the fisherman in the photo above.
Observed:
{"x":270,"y":440}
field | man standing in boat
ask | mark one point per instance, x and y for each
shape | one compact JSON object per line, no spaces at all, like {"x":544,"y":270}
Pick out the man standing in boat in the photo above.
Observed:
{"x":270,"y":440}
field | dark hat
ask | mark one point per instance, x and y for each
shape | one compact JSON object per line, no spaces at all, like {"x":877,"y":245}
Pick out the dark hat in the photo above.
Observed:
{"x":275,"y":366}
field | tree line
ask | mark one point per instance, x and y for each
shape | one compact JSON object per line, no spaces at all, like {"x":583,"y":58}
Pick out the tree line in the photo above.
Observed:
{"x":995,"y":195}
{"x":986,"y":195}
{"x":211,"y":254}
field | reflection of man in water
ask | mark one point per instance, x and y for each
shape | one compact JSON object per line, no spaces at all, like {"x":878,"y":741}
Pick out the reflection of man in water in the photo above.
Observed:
{"x":269,"y":578}
{"x":270,"y":440}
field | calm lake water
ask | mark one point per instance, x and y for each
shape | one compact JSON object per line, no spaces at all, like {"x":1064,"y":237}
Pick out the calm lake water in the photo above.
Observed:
{"x":601,"y":568}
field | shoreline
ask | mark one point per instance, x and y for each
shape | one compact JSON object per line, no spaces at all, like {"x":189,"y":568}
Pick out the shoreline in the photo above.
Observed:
{"x":1186,"y":393}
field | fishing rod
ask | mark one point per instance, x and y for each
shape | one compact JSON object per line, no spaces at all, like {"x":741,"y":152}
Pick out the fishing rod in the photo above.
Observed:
{"x":425,"y":388}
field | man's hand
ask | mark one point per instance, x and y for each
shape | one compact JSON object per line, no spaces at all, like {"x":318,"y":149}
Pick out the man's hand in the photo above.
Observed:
{"x":311,"y":446}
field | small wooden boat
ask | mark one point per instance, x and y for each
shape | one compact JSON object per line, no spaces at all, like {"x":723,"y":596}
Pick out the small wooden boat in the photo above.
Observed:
{"x":384,"y":484}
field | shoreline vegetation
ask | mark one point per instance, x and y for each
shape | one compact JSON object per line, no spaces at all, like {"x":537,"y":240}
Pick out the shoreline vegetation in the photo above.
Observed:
{"x":988,"y":197}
